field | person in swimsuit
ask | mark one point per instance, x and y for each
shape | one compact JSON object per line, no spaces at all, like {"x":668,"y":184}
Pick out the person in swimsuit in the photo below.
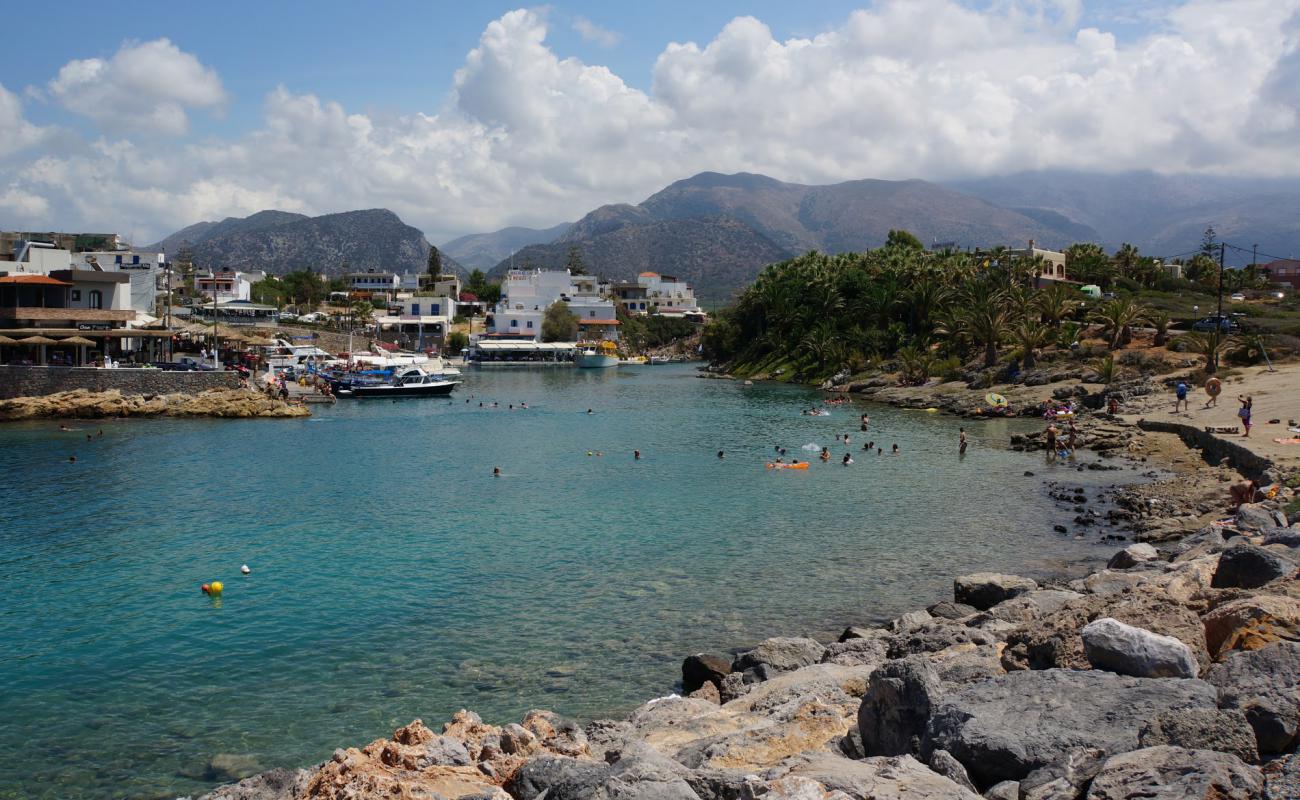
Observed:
{"x":1247,"y":407}
{"x":961,"y":441}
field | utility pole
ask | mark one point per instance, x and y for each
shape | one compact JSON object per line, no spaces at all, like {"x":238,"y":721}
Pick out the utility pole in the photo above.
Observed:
{"x":1218,"y":321}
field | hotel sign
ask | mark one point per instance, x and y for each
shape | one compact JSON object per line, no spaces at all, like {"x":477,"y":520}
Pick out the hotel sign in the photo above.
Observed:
{"x":94,"y":326}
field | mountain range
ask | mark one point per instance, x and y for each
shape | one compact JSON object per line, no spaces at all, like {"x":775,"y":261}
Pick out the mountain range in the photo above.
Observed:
{"x":718,"y":231}
{"x":280,"y":242}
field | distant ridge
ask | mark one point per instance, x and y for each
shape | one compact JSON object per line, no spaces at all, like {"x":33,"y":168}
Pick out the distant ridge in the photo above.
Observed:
{"x":485,"y":250}
{"x":280,"y":242}
{"x":718,"y":231}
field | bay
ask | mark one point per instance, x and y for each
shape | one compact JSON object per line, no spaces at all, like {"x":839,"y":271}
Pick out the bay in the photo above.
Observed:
{"x":393,"y":577}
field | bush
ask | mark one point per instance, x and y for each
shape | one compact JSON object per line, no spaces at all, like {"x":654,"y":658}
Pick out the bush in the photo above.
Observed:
{"x":457,"y":341}
{"x":950,"y":368}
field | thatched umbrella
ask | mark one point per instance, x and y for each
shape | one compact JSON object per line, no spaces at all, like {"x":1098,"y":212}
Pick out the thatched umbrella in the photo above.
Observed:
{"x":37,"y":340}
{"x":80,"y":340}
{"x":6,"y":340}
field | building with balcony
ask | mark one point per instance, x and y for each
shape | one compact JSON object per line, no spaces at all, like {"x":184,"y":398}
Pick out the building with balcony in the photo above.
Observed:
{"x":228,"y":285}
{"x":1284,"y":271}
{"x":373,"y":285}
{"x":526,"y":294}
{"x":653,"y":293}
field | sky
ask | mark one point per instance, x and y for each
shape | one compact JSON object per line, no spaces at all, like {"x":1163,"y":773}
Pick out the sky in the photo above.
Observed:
{"x":140,"y":118}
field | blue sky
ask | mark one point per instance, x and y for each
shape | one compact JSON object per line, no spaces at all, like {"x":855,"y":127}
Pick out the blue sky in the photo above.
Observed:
{"x":147,"y":116}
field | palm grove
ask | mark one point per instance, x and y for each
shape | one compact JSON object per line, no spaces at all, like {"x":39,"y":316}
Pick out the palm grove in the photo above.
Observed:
{"x":941,"y":313}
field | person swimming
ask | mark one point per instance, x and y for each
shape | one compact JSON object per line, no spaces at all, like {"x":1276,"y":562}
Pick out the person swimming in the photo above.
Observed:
{"x":636,"y":454}
{"x":848,"y":459}
{"x":721,"y":454}
{"x":895,"y":448}
{"x":826,"y":454}
{"x":496,"y":472}
{"x":961,"y":441}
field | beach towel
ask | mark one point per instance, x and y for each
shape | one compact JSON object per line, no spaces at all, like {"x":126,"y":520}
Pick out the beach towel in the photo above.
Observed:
{"x":1294,"y":440}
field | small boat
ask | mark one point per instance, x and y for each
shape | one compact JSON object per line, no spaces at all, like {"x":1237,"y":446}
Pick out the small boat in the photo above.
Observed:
{"x":634,"y":361}
{"x":411,"y":381}
{"x":596,"y":356}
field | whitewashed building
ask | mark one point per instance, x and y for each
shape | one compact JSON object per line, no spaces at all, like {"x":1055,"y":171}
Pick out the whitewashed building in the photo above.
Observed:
{"x":526,"y":294}
{"x":228,"y":285}
{"x":653,"y":293}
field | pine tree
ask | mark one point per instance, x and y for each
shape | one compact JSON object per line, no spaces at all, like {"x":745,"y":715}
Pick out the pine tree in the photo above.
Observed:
{"x":574,"y":264}
{"x":435,"y":264}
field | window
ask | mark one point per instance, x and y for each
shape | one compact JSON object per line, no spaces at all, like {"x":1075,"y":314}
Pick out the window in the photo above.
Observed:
{"x":96,"y":298}
{"x":76,"y":295}
{"x":514,"y":323}
{"x":592,"y":314}
{"x":415,"y":309}
{"x":530,"y":323}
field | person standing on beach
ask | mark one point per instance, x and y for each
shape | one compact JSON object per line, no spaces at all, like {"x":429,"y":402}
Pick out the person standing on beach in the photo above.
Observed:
{"x":961,"y":441}
{"x":1247,"y":408}
{"x":1051,"y":441}
{"x":1180,"y":397}
{"x":1213,"y":387}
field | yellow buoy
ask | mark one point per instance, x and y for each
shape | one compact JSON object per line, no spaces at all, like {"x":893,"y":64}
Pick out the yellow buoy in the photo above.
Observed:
{"x":215,"y":587}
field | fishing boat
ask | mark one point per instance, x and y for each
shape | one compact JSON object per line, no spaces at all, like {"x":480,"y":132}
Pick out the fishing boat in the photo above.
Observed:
{"x":409,"y":381}
{"x":597,"y":356}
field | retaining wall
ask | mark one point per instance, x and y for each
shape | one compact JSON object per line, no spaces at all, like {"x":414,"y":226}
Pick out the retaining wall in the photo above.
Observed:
{"x":1213,"y":448}
{"x":18,"y":381}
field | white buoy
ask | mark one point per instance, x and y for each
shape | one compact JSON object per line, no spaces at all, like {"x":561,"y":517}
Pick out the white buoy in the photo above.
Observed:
{"x":244,"y":569}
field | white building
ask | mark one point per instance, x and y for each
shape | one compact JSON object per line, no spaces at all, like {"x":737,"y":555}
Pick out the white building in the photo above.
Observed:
{"x":526,"y":294}
{"x":653,"y":293}
{"x":228,"y":285}
{"x":147,"y":273}
{"x":371,"y":282}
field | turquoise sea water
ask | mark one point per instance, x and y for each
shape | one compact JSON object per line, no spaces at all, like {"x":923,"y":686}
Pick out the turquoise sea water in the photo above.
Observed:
{"x":393,"y":577}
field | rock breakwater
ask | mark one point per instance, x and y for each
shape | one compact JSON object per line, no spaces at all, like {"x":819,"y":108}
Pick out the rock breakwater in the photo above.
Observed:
{"x":82,"y":404}
{"x":1176,"y":676}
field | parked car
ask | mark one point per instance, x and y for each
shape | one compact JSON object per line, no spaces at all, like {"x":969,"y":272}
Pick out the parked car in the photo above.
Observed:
{"x":1225,"y":323}
{"x":1238,"y":297}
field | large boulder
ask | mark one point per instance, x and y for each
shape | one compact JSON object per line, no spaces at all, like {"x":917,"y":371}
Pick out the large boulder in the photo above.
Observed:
{"x":1028,"y":606}
{"x":1258,"y":517}
{"x":983,"y":590}
{"x":1251,"y":623}
{"x":933,"y":636}
{"x":703,"y":668}
{"x":1132,"y":556}
{"x":897,"y":707}
{"x":882,"y":778}
{"x":1175,"y":773}
{"x":1128,"y":650}
{"x":802,"y":725}
{"x":1054,"y":640}
{"x":836,"y":684}
{"x":1006,"y":727}
{"x":1225,"y":730}
{"x":1246,"y":566}
{"x":857,"y":652}
{"x":1282,"y":778}
{"x":1064,"y":780}
{"x":780,"y":654}
{"x":1265,"y":685}
{"x":559,"y":778}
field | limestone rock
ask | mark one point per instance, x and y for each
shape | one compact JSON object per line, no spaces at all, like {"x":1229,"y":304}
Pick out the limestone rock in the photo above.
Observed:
{"x":1265,"y":685}
{"x":1064,"y":780}
{"x":1225,"y":730}
{"x":1251,"y":623}
{"x":1054,"y":639}
{"x":445,"y":751}
{"x":856,"y":652}
{"x":708,"y":692}
{"x":882,"y":778}
{"x":897,"y":706}
{"x":1006,"y":727}
{"x":832,"y":683}
{"x":1282,"y":778}
{"x":556,"y":733}
{"x":942,"y":762}
{"x":780,"y":654}
{"x":1174,"y":773}
{"x":703,"y":668}
{"x":1031,"y":605}
{"x":1246,"y":566}
{"x":950,"y":610}
{"x":560,"y":778}
{"x":983,"y":590}
{"x":931,"y":637}
{"x":276,"y":784}
{"x":1133,"y":555}
{"x":1004,"y":790}
{"x":1128,"y":650}
{"x":1257,"y":516}
{"x":804,"y":725}
{"x":516,"y":740}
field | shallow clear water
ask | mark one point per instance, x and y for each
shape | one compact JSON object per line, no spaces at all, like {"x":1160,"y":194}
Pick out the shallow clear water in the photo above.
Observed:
{"x":393,"y":577}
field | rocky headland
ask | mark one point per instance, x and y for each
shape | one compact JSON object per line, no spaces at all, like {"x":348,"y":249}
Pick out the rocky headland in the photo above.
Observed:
{"x":83,"y":404}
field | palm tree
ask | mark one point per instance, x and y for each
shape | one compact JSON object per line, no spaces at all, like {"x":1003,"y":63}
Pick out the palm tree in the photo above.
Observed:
{"x":1106,"y":370}
{"x":362,"y":311}
{"x":1160,"y":320}
{"x":1029,"y":335}
{"x":1117,"y":318}
{"x":1208,"y":344}
{"x":1055,"y":303}
{"x":986,"y":320}
{"x":914,"y":366}
{"x":1126,"y":260}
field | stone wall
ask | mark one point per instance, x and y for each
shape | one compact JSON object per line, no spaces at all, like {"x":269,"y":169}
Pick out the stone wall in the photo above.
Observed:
{"x":38,"y":381}
{"x":1213,"y":447}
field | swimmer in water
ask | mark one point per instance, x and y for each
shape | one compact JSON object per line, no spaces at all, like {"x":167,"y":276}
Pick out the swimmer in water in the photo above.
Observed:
{"x":496,"y":472}
{"x":72,"y":459}
{"x":636,"y":454}
{"x":826,"y":454}
{"x":63,"y":427}
{"x":848,"y":459}
{"x":895,"y":448}
{"x":961,"y":441}
{"x":589,"y":411}
{"x":721,"y":454}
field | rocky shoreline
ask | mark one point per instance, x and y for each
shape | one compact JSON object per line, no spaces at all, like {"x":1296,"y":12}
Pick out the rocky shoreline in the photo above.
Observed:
{"x":83,"y":404}
{"x":1172,"y":672}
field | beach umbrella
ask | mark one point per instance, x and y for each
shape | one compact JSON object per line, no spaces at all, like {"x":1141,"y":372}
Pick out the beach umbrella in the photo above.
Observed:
{"x":78,"y":340}
{"x":37,"y":340}
{"x":7,"y":340}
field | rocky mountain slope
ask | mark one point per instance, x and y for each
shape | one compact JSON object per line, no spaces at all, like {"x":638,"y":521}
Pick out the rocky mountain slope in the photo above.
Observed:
{"x":485,"y":250}
{"x":718,"y":231}
{"x":1162,"y":214}
{"x":280,"y":242}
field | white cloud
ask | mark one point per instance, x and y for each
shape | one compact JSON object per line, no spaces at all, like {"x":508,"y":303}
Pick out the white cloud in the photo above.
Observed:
{"x":16,"y":133}
{"x":918,"y":88}
{"x":591,"y":32}
{"x":145,"y":86}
